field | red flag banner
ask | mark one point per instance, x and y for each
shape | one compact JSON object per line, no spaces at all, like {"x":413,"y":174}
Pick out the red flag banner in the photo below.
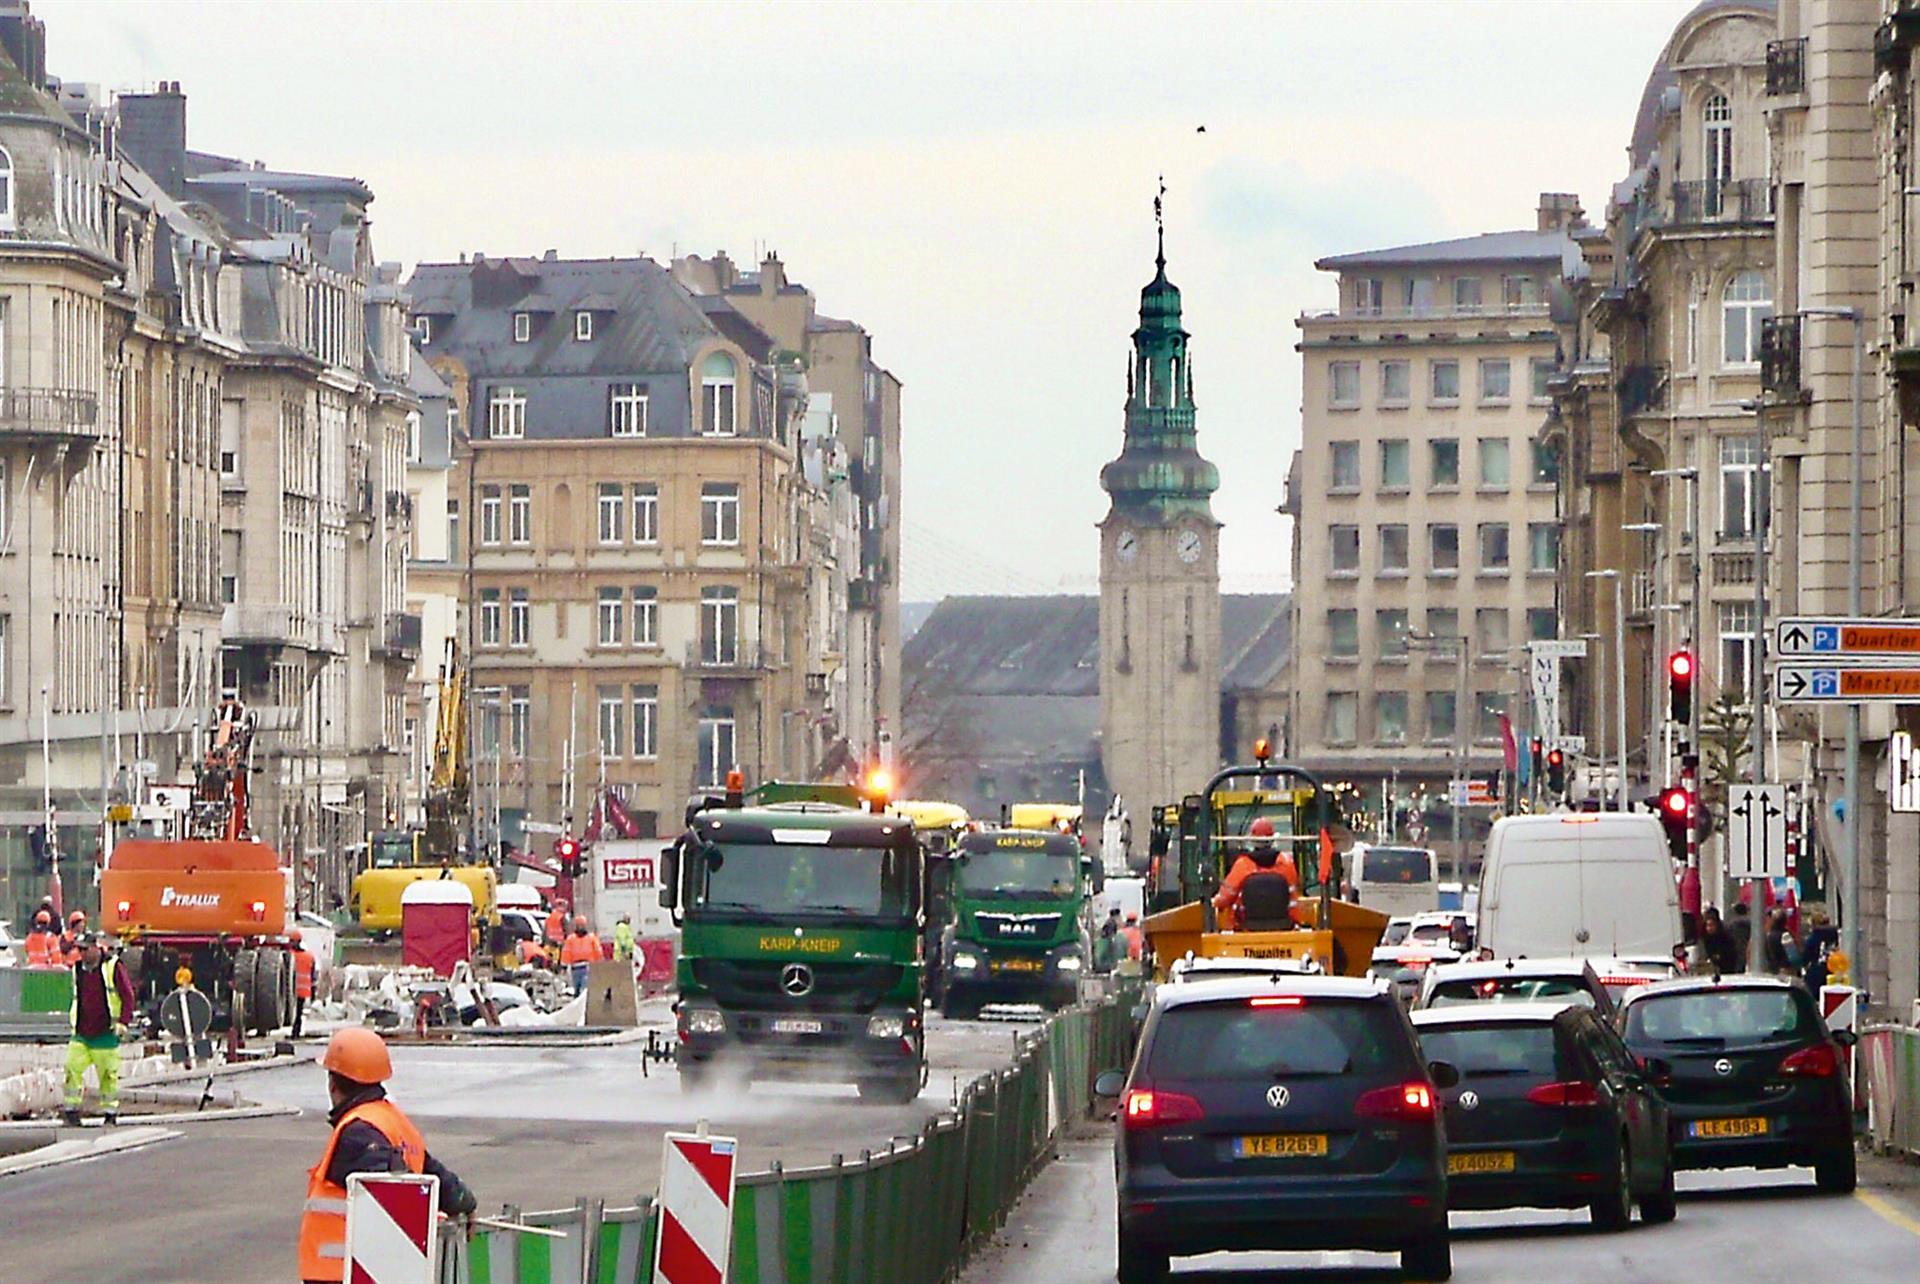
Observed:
{"x":1509,"y":747}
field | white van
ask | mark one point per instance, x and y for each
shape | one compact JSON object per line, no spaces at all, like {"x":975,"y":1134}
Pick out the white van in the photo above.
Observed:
{"x":1396,"y":880}
{"x":1595,"y":884}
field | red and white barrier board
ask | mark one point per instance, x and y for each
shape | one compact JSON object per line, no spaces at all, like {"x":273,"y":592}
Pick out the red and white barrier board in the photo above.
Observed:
{"x":390,"y":1229}
{"x":696,"y":1209}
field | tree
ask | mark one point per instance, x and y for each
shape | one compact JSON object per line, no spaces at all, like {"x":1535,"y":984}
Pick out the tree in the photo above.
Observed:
{"x":1726,"y":743}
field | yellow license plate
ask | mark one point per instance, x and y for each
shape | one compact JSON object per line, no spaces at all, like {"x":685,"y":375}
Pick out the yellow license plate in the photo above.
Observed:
{"x":1287,"y":1145}
{"x":1484,"y":1161}
{"x":1749,"y":1127}
{"x":1019,"y":965}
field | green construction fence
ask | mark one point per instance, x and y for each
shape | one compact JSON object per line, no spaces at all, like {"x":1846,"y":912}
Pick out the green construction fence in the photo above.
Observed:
{"x":908,"y":1212}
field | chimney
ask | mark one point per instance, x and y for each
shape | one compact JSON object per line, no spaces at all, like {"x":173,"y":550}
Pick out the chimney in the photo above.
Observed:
{"x":24,"y":37}
{"x":1560,"y":212}
{"x":723,"y":271}
{"x":773,"y":274}
{"x":153,"y":135}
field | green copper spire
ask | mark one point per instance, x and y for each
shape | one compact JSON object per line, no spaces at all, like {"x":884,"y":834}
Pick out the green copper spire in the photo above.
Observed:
{"x":1160,"y":474}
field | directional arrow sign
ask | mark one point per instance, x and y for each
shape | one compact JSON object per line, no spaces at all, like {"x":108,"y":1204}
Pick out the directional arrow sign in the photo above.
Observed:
{"x":1840,"y":684}
{"x":1833,"y":638}
{"x":1757,"y":831}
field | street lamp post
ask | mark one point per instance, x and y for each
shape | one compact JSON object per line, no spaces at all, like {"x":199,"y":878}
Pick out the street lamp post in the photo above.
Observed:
{"x":1653,"y":531}
{"x":1619,"y":690}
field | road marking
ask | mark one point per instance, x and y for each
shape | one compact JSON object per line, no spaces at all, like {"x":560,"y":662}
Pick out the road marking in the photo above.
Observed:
{"x":1888,"y":1212}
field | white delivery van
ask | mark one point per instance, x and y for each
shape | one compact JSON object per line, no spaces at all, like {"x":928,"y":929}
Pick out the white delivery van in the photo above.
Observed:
{"x":1582,"y":883}
{"x":626,"y":881}
{"x":1396,"y":880}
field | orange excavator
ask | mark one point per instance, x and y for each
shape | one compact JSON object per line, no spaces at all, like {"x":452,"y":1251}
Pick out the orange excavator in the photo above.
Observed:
{"x":210,"y":899}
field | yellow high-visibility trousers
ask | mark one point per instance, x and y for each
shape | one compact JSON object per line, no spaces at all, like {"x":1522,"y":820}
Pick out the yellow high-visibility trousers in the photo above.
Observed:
{"x":106,"y":1068}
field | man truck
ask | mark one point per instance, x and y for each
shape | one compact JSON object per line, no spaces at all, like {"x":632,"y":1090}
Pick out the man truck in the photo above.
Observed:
{"x":1018,"y":932}
{"x":800,"y":945}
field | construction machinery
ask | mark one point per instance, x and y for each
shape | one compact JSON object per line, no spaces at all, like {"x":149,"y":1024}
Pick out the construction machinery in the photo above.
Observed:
{"x":1196,"y":841}
{"x":206,"y":903}
{"x":398,"y":858}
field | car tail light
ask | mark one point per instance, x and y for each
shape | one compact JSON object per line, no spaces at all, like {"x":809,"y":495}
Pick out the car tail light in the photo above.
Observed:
{"x":1274,"y":1001}
{"x":1817,"y":1062}
{"x":1150,"y":1108}
{"x":1572,"y":1094}
{"x":1409,"y":1101}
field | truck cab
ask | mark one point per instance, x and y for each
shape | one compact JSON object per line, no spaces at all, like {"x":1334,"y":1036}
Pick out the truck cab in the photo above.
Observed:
{"x":800,"y":947}
{"x":1018,"y":931}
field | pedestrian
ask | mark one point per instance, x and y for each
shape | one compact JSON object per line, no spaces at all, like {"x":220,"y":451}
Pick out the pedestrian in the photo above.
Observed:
{"x":302,"y":980}
{"x":1741,"y":929}
{"x":43,"y":943}
{"x":70,"y":939}
{"x":1783,"y":951}
{"x":557,"y":921}
{"x":102,"y":997}
{"x":1822,"y":939}
{"x":1136,"y":939}
{"x":370,"y":1135}
{"x":1261,"y":886}
{"x":623,"y":939}
{"x":582,"y":948}
{"x":1716,"y":943}
{"x":1106,"y":950}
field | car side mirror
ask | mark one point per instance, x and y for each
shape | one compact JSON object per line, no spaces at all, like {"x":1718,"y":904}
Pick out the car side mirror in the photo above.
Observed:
{"x":670,"y":877}
{"x":1845,"y":1038}
{"x":1110,"y":1083}
{"x":1444,"y":1074}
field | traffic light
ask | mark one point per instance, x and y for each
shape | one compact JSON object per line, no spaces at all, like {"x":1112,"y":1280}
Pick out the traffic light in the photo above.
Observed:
{"x":1680,"y":670}
{"x":1672,"y":804}
{"x":1536,"y":756}
{"x":1556,"y":771}
{"x":566,"y":850}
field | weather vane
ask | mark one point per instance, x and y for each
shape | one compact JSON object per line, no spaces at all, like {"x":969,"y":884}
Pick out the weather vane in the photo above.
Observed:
{"x":1159,"y":222}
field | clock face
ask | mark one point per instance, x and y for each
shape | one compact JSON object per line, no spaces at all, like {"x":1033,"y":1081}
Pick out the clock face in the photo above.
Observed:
{"x":1127,"y":546}
{"x":1188,"y":546}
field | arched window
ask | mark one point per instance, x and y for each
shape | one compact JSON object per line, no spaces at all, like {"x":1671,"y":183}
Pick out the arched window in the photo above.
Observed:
{"x":6,"y":190}
{"x":1746,"y":302}
{"x":717,"y":398}
{"x":1718,"y":171}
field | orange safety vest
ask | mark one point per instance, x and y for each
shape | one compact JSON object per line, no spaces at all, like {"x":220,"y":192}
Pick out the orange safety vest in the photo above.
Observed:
{"x":43,"y":949}
{"x":323,"y":1222}
{"x":302,"y":974}
{"x":581,"y":949}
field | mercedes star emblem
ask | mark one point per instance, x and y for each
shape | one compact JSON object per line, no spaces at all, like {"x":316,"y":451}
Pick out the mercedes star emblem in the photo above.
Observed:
{"x":1723,"y":1066}
{"x":1469,"y":1100}
{"x":1278,"y":1096}
{"x":796,"y":980}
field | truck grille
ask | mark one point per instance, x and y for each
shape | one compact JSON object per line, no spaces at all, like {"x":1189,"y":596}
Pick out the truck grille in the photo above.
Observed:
{"x":1015,"y":928}
{"x":837,"y":987}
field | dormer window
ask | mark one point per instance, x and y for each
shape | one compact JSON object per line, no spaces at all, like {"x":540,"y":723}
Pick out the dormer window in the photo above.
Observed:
{"x":717,"y":396}
{"x":522,"y":326}
{"x":583,"y":326}
{"x":6,"y":190}
{"x":423,"y":329}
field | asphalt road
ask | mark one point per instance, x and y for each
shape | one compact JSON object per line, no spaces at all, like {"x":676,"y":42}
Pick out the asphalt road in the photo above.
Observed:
{"x":532,"y":1127}
{"x":1754,"y":1227}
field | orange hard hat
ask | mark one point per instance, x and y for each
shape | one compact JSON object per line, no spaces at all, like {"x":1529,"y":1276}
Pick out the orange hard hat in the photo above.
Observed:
{"x":294,"y":936}
{"x":76,"y":917}
{"x":1261,"y":828}
{"x":580,"y":921}
{"x":359,"y":1054}
{"x":42,"y":918}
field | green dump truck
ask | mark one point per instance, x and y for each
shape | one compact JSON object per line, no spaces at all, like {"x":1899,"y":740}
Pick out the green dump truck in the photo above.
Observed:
{"x":1018,"y":930}
{"x":800,"y":944}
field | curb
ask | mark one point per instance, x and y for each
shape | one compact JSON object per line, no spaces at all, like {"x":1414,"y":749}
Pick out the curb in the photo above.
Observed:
{"x":119,"y":1141}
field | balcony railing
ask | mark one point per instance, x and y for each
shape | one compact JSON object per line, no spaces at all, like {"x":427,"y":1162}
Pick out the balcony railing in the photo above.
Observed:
{"x":1732,"y":569}
{"x":1641,"y":388}
{"x":1787,"y":66}
{"x":1780,"y":356}
{"x":725,"y":655}
{"x":1430,"y":311}
{"x":399,"y":506}
{"x":253,"y":624}
{"x":48,"y":414}
{"x":401,"y":635}
{"x":1713,"y":200}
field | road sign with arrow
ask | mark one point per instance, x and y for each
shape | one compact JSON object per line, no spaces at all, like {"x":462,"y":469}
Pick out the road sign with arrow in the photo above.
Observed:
{"x":1845,"y":639}
{"x":1845,"y":684}
{"x":1757,"y":831}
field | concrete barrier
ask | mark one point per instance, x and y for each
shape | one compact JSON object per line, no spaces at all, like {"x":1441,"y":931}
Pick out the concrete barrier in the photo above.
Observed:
{"x":909,"y":1212}
{"x":34,"y":1001}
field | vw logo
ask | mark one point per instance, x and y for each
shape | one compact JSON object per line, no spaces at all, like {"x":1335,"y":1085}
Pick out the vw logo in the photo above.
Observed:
{"x":1469,"y":1100}
{"x":1723,"y":1066}
{"x":796,"y":980}
{"x":1278,"y":1096}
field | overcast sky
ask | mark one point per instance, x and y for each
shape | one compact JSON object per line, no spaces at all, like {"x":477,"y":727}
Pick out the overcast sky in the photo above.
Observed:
{"x":971,"y":182}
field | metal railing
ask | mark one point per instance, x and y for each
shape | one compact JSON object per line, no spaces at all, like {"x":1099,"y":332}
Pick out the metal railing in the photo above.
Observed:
{"x":48,"y":412}
{"x":1732,"y":200}
{"x":912,"y":1210}
{"x":725,"y":655}
{"x":1887,"y":1070}
{"x":1787,"y":66}
{"x":1430,"y":311}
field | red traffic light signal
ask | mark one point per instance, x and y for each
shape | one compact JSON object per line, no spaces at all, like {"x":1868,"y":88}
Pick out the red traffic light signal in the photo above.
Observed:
{"x":1680,"y":671}
{"x":1556,"y":771}
{"x":566,"y":850}
{"x":1674,"y":806}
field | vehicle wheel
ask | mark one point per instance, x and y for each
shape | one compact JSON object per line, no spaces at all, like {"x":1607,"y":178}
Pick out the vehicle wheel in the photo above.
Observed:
{"x":1658,"y":1207}
{"x":245,"y":963}
{"x":1615,"y":1211}
{"x":1140,"y":1264}
{"x":1428,"y":1259}
{"x":1837,"y":1175}
{"x":889,"y":1092}
{"x":267,"y":1008}
{"x":955,"y":1007}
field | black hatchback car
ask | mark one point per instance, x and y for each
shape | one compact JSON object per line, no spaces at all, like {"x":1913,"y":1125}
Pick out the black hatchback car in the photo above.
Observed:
{"x":1291,"y":1112}
{"x":1551,"y":1111}
{"x":1755,"y":1080}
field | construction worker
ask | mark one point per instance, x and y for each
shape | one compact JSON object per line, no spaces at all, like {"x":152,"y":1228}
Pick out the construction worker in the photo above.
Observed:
{"x":1136,"y":939}
{"x":1260,"y":887}
{"x":43,"y":943}
{"x":370,"y":1135}
{"x":70,"y":939}
{"x":556,"y":931}
{"x":102,"y":997}
{"x":582,"y":948}
{"x":623,"y":939}
{"x":302,"y":979}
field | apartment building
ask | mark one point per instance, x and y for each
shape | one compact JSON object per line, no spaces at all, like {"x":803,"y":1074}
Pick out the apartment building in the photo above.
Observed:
{"x":1423,"y":508}
{"x":435,"y":575}
{"x":648,"y":508}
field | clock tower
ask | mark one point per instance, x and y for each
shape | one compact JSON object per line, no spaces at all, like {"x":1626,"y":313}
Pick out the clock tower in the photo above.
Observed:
{"x":1159,"y":576}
